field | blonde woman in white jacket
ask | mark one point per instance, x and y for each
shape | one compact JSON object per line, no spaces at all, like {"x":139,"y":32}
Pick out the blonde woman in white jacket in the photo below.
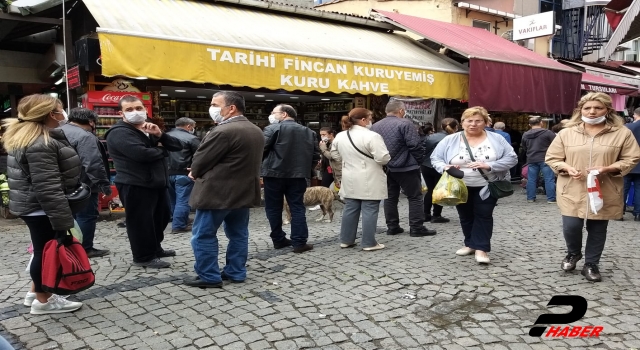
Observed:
{"x":364,"y":182}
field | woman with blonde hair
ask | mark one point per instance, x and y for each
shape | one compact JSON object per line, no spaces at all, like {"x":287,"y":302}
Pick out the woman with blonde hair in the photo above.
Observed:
{"x":595,"y":139}
{"x":364,"y":183}
{"x":482,"y":156}
{"x":41,"y":168}
{"x":430,"y":175}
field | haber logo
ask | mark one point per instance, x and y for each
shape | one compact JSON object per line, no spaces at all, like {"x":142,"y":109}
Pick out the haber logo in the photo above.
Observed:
{"x":579,"y":305}
{"x":110,"y":98}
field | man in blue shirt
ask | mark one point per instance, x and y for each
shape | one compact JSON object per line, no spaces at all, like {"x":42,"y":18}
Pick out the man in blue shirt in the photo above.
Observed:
{"x":499,"y":129}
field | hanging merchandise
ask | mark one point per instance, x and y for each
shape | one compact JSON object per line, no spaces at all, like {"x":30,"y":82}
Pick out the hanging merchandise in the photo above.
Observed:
{"x":593,"y":188}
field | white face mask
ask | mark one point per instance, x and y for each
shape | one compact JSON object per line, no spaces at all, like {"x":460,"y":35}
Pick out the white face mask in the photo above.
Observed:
{"x":325,"y":139}
{"x":273,"y":119}
{"x":594,"y":121}
{"x":214,"y":112}
{"x":136,"y":117}
{"x":63,"y":121}
{"x":368,"y":126}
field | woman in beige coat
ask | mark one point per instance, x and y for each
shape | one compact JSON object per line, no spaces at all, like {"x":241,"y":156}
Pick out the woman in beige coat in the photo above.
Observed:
{"x":364,"y":183}
{"x":594,"y":139}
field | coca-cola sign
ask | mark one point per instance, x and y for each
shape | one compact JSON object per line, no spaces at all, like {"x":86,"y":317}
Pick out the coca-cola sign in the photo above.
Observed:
{"x":111,"y":98}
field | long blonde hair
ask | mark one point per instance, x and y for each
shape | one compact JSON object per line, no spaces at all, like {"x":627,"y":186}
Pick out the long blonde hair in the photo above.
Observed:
{"x":611,"y":118}
{"x":33,"y":111}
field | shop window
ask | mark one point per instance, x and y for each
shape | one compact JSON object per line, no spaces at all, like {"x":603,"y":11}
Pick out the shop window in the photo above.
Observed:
{"x":481,"y":24}
{"x":631,"y":57}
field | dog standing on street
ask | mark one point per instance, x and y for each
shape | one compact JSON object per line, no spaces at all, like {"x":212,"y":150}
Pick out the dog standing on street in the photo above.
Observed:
{"x":314,"y":196}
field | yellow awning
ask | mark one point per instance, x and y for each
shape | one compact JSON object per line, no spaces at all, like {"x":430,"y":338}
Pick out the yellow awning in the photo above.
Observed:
{"x":225,"y":45}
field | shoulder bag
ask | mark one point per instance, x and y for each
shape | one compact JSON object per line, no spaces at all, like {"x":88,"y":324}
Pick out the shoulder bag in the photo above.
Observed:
{"x":498,"y":188}
{"x":384,"y":167}
{"x":77,"y":199}
{"x":65,"y":266}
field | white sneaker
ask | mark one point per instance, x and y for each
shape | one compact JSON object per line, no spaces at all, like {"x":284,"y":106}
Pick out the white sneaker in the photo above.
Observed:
{"x":317,"y":207}
{"x":55,"y":305}
{"x":29,"y":298}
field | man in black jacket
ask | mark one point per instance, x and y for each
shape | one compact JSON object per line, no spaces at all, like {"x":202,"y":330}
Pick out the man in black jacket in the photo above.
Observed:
{"x":180,"y":185}
{"x":535,"y":143}
{"x":403,"y":142}
{"x":290,"y":151}
{"x":139,"y":152}
{"x":79,"y":131}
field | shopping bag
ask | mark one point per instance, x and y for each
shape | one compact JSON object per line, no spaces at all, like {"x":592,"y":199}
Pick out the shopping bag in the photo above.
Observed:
{"x":423,"y":184}
{"x":65,"y":266}
{"x":593,"y":188}
{"x":76,"y":232}
{"x":450,"y":191}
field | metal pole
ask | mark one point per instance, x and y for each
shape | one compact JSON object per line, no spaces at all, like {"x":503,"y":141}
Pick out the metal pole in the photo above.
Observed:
{"x":64,"y":44}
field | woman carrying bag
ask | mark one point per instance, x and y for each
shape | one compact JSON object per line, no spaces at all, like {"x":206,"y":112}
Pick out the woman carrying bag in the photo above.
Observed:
{"x":364,"y":182}
{"x":42,"y":169}
{"x":485,"y":159}
{"x":594,"y":139}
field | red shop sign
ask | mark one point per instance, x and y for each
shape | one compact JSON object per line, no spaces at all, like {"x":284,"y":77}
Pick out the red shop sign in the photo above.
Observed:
{"x":113,"y":97}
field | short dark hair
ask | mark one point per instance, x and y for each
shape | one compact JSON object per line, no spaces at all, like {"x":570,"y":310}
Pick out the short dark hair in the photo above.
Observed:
{"x":291,"y":112}
{"x":128,"y":98}
{"x":535,"y":120}
{"x":185,"y":121}
{"x":328,"y":130}
{"x":232,"y":99}
{"x":83,"y":116}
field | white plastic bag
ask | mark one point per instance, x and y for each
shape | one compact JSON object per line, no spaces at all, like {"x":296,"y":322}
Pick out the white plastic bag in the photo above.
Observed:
{"x":423,"y":184}
{"x":593,"y":188}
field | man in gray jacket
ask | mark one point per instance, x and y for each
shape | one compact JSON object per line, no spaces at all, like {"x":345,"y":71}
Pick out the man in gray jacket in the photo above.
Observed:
{"x":80,"y":133}
{"x":403,"y":142}
{"x":180,"y":185}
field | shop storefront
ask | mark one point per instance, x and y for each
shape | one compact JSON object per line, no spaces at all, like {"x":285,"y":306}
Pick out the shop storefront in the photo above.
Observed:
{"x":321,"y":63}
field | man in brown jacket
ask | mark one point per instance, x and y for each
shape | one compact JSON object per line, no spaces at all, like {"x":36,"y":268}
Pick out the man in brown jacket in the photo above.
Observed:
{"x":226,"y":171}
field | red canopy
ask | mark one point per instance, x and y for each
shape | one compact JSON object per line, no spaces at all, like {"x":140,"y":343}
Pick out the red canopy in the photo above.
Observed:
{"x":592,"y":82}
{"x":503,"y":76}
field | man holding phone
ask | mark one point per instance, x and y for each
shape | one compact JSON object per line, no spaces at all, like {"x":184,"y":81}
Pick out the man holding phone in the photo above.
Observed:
{"x":139,"y":150}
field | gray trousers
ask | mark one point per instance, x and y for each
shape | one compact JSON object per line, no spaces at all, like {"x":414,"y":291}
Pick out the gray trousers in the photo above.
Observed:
{"x":596,"y":237}
{"x":351,"y":216}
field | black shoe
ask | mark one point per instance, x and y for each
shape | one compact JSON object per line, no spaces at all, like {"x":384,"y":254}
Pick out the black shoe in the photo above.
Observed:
{"x":154,"y":264}
{"x":182,"y":230}
{"x":636,"y":218}
{"x":394,"y":230}
{"x":226,"y":278}
{"x":96,"y":253}
{"x":282,"y":244}
{"x":570,"y":261}
{"x":422,"y":232}
{"x":197,"y":282}
{"x":591,"y":272}
{"x":165,"y":253}
{"x":427,"y":218}
{"x":439,"y":220}
{"x":303,"y":248}
{"x":121,"y":224}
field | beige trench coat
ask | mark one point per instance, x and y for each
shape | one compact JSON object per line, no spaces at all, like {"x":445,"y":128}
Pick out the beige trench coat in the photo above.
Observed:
{"x":613,"y":146}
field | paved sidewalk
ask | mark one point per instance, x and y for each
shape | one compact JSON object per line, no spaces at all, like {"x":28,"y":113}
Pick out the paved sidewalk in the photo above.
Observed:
{"x":416,"y":294}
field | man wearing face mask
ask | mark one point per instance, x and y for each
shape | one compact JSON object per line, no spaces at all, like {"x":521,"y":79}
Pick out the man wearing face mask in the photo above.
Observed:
{"x":141,"y":180}
{"x":180,"y":185}
{"x":290,"y":152}
{"x":407,"y":152}
{"x":79,"y":130}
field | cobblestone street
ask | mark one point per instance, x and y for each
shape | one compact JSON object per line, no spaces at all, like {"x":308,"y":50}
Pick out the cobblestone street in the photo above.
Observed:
{"x":416,"y":294}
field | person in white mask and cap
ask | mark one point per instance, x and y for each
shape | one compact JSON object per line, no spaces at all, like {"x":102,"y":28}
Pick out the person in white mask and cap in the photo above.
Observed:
{"x":139,"y":151}
{"x":594,"y":141}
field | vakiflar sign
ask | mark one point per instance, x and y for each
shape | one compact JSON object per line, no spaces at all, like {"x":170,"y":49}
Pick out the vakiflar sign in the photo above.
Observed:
{"x":541,"y":24}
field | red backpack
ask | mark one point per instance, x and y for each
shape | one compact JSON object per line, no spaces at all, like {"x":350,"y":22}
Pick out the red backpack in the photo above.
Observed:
{"x":65,"y":266}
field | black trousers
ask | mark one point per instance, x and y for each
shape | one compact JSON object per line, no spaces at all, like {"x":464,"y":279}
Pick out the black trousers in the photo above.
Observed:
{"x":148,"y":213}
{"x":41,"y":233}
{"x":431,"y":178}
{"x":596,"y":237}
{"x":476,"y":220}
{"x":409,"y":181}
{"x":327,"y":179}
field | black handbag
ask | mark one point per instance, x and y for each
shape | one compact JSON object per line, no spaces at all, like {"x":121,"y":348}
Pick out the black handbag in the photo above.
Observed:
{"x":77,"y":199}
{"x":384,"y":167}
{"x":499,"y":188}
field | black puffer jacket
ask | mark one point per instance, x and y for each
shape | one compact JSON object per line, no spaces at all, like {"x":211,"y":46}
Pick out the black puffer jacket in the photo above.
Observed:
{"x":54,"y":168}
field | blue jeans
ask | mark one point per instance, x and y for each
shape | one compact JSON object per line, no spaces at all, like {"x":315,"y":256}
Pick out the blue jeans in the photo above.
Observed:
{"x":86,"y":219}
{"x":634,"y":179}
{"x":549,"y":181}
{"x":274,"y":191}
{"x":180,"y":187}
{"x":205,"y":243}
